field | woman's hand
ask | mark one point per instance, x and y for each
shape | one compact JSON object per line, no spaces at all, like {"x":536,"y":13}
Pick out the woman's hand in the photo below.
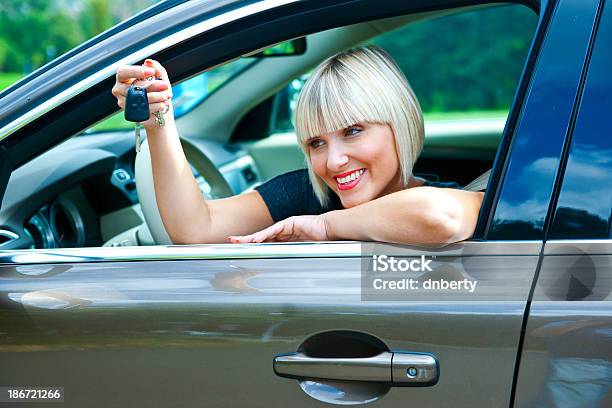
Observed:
{"x":299,"y":228}
{"x":159,"y":91}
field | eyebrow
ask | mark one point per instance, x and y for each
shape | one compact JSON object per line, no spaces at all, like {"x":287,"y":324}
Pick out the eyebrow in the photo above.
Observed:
{"x":310,"y":139}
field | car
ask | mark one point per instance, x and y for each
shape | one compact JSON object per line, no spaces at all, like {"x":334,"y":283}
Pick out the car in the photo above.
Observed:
{"x":99,"y":309}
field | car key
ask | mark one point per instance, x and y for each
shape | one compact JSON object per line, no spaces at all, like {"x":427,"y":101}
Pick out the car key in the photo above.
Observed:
{"x":136,"y":110}
{"x":136,"y":104}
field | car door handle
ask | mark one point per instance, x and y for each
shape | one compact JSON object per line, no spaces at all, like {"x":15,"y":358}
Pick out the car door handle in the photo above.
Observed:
{"x":393,"y":367}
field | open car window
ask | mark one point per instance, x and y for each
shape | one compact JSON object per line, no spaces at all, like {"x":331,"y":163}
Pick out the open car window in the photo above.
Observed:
{"x":464,"y":66}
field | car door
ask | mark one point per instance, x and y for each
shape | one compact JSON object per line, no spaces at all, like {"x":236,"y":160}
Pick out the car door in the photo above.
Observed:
{"x":567,"y":355}
{"x":202,"y":325}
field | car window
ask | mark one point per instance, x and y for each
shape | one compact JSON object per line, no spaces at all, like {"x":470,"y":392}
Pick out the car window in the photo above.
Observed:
{"x":473,"y":75}
{"x":585,"y":198}
{"x":187,"y":94}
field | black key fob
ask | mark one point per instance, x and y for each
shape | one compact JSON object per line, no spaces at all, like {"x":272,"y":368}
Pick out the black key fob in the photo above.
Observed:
{"x":136,"y":104}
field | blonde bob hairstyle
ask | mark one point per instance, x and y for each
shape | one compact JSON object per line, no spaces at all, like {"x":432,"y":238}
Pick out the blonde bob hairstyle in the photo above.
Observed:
{"x":362,"y":84}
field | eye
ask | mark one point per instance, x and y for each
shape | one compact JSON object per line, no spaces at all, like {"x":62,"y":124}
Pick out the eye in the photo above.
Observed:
{"x":352,"y":130}
{"x":314,"y":143}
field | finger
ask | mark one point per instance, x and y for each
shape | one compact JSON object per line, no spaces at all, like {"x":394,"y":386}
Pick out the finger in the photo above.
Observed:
{"x":127,"y":73}
{"x":160,"y":71}
{"x":159,"y":86}
{"x":240,"y":239}
{"x":154,"y":85}
{"x":270,"y":233}
{"x":157,"y":107}
{"x":121,"y":102}
{"x":279,"y":230}
{"x":155,"y":97}
{"x":257,"y":237}
{"x":253,"y":238}
{"x":265,"y":234}
{"x":119,"y":89}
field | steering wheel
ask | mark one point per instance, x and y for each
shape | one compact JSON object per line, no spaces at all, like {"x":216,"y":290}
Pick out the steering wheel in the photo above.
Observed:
{"x":146,"y":191}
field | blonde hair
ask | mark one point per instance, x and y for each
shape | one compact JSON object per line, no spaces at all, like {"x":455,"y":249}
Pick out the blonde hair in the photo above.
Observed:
{"x":362,"y":84}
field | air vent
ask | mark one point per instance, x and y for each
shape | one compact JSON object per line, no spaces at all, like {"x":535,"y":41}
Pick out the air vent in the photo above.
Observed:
{"x":7,"y":236}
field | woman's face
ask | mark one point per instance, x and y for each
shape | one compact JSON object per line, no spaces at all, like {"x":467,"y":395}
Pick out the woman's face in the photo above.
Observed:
{"x":359,"y":163}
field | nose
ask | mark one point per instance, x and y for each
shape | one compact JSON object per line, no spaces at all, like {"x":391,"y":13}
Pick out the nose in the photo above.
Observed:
{"x":337,"y":156}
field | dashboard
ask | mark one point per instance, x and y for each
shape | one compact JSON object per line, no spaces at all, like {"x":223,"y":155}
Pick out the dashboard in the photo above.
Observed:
{"x":82,"y":193}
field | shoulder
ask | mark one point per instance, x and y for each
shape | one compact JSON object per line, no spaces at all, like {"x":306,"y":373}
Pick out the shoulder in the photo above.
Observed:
{"x":295,"y":181}
{"x":294,"y":175}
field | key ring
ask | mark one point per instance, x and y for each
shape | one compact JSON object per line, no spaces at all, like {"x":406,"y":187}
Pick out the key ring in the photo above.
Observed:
{"x":159,"y":117}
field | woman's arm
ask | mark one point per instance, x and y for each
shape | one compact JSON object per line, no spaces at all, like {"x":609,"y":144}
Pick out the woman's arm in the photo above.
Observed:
{"x":187,"y":216}
{"x":419,"y":215}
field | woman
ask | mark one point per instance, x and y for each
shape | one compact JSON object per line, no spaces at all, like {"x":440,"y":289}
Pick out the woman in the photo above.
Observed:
{"x":361,"y":129}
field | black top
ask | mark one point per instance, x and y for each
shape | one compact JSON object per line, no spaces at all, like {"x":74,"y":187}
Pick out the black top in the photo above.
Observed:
{"x":292,"y":194}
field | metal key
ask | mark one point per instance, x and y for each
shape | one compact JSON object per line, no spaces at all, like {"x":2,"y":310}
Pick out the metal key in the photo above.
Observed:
{"x":138,"y":140}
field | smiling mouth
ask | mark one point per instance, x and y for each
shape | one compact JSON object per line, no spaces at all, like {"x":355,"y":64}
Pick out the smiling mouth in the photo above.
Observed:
{"x":349,"y":180}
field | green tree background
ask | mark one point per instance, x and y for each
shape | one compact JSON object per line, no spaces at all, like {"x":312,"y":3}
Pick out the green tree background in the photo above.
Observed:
{"x":466,"y":61}
{"x":34,"y":32}
{"x":462,"y":62}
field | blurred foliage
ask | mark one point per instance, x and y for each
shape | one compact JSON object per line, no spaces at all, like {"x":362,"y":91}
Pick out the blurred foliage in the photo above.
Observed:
{"x":461,"y":62}
{"x":34,"y":32}
{"x":467,"y":61}
{"x":8,"y":78}
{"x":291,"y":47}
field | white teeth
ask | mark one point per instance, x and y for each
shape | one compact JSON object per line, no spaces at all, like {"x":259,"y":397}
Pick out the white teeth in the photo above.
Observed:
{"x":350,"y":177}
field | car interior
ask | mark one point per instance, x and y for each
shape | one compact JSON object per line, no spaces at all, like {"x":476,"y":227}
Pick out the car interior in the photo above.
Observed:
{"x":93,"y":190}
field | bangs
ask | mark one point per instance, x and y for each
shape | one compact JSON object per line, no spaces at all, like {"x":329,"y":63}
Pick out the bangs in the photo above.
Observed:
{"x":338,"y":98}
